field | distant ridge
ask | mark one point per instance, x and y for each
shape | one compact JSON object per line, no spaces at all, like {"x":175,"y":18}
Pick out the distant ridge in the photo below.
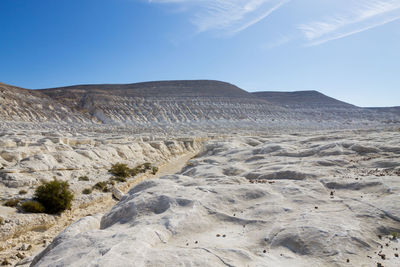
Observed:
{"x":19,"y":104}
{"x":192,"y":103}
{"x":302,"y":99}
{"x":182,"y":88}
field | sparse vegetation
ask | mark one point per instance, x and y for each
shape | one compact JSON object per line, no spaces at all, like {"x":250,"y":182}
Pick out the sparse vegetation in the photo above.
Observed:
{"x":134,"y":171}
{"x":32,"y":206}
{"x":147,"y":166}
{"x":87,"y":191}
{"x":102,"y":186}
{"x":83,"y":178}
{"x":55,"y":196}
{"x":120,"y":170}
{"x":22,"y":192}
{"x":395,"y":235}
{"x":12,"y":202}
{"x":1,"y":221}
{"x":119,"y":179}
{"x":141,"y":168}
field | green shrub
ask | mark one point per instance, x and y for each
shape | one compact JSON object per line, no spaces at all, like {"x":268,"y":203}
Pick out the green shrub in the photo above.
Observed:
{"x":32,"y":206}
{"x":141,"y":169}
{"x":102,"y":186}
{"x":22,"y":192}
{"x":55,"y":196}
{"x":119,"y":179}
{"x":12,"y":203}
{"x":83,"y":178}
{"x":147,"y":166}
{"x":87,"y":191}
{"x":154,"y":170}
{"x":134,"y":171}
{"x":120,"y":170}
{"x":394,"y":235}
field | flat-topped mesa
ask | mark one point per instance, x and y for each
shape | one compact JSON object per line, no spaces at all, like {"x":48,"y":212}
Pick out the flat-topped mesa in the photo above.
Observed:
{"x":303,"y":99}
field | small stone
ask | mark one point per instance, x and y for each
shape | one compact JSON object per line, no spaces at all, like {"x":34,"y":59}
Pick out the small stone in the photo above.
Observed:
{"x":196,"y":242}
{"x":218,"y":235}
{"x":347,"y":260}
{"x":117,"y":194}
{"x":223,"y":235}
{"x":20,"y":256}
{"x":264,"y":251}
{"x":396,"y":255}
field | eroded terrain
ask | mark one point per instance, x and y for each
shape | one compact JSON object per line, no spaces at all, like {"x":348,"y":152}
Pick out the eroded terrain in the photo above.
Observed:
{"x":307,"y":199}
{"x":27,"y":157}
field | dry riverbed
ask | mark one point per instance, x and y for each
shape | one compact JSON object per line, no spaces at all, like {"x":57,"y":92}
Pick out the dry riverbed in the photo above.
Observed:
{"x":25,"y":162}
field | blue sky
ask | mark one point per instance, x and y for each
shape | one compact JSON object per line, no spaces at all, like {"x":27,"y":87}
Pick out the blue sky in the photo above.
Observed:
{"x":347,"y":49}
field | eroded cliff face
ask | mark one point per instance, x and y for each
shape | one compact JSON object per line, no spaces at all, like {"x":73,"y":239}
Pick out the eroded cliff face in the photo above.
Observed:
{"x":176,"y":104}
{"x":166,"y":102}
{"x":17,"y":104}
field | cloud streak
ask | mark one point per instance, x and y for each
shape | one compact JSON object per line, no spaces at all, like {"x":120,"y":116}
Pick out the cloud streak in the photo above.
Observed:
{"x":230,"y":16}
{"x":368,"y":14}
{"x":330,"y":19}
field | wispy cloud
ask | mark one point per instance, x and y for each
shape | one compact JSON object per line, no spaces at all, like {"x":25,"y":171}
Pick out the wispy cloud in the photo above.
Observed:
{"x":230,"y":16}
{"x":367,"y":14}
{"x":327,"y":20}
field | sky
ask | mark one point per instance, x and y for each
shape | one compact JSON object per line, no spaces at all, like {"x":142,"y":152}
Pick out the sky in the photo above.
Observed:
{"x":347,"y":49}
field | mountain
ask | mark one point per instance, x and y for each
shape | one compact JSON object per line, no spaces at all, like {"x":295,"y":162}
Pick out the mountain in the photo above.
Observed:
{"x":182,"y":88}
{"x":317,"y":106}
{"x":303,"y":99}
{"x":164,"y":102}
{"x":18,"y":104}
{"x":192,"y":103}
